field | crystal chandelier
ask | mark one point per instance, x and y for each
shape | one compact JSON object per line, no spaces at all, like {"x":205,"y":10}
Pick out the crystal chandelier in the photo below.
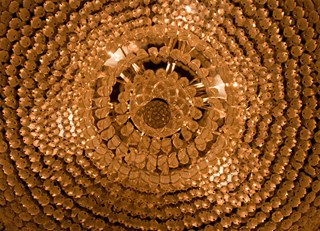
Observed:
{"x":159,"y":115}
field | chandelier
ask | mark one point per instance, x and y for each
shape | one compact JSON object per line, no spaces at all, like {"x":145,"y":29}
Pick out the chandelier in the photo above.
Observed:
{"x":159,"y":115}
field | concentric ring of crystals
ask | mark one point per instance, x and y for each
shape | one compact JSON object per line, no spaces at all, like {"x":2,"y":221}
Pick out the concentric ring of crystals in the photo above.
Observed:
{"x":140,"y":149}
{"x":151,"y":86}
{"x":239,"y":151}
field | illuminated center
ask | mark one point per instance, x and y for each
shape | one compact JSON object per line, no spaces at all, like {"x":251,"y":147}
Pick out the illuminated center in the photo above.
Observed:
{"x":156,"y":113}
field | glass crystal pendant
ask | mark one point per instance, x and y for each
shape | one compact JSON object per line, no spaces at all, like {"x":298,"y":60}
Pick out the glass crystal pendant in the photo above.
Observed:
{"x":159,"y":115}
